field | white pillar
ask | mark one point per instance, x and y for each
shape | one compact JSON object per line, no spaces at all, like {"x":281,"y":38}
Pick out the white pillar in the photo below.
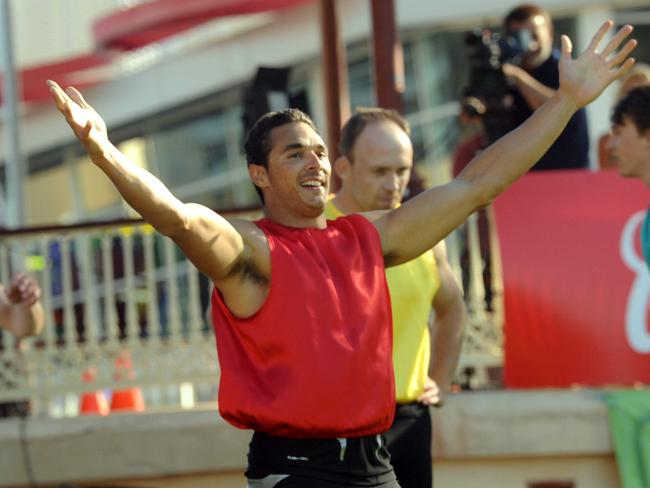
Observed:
{"x":587,"y":23}
{"x":14,"y":163}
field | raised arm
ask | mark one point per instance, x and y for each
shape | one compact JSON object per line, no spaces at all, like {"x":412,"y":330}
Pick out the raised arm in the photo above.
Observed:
{"x":423,"y":221}
{"x":215,"y":245}
{"x":21,"y":312}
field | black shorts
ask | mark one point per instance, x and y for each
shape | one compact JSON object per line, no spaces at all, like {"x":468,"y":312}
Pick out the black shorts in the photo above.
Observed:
{"x":409,"y":444}
{"x":279,"y":462}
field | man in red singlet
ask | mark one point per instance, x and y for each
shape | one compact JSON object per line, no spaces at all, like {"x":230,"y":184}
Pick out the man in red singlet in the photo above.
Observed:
{"x":302,"y":325}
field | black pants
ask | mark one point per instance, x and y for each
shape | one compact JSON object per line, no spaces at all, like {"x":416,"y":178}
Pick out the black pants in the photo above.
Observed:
{"x":409,"y":444}
{"x":278,"y":462}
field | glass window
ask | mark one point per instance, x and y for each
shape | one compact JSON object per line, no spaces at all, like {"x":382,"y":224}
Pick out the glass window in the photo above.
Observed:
{"x":191,"y":150}
{"x":361,"y":86}
{"x":410,"y":95}
{"x":55,"y":202}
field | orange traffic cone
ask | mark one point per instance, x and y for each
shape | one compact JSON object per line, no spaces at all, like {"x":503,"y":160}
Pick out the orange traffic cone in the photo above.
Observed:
{"x":92,"y":402}
{"x":126,"y":399}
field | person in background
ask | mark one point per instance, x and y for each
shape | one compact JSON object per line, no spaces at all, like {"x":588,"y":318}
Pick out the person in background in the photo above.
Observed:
{"x":638,"y":76}
{"x":536,"y":80}
{"x":375,"y":167}
{"x":629,"y":146}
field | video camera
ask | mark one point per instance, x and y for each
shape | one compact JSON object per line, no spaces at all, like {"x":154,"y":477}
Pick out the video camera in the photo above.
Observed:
{"x":488,"y":94}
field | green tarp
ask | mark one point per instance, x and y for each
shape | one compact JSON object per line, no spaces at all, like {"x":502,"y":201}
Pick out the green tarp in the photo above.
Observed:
{"x":629,"y":420}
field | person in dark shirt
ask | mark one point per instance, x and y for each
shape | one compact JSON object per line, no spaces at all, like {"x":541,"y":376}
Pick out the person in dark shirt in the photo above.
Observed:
{"x":536,"y":80}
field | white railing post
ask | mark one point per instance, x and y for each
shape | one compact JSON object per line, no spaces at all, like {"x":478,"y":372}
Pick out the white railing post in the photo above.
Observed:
{"x":110,"y":315}
{"x":476,"y":285}
{"x":154,"y":327}
{"x":9,"y":342}
{"x":69,"y":319}
{"x":173,"y":310}
{"x":193,"y":301}
{"x":49,"y":333}
{"x":88,"y":285}
{"x":129,"y":291}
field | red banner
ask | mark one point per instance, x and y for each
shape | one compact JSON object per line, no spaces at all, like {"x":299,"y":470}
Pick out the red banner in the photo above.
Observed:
{"x":576,"y":286}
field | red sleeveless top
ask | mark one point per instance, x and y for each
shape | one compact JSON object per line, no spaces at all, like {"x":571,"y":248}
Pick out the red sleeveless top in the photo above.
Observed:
{"x":315,"y":360}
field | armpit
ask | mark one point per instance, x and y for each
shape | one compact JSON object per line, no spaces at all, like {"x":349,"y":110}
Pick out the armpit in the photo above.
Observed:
{"x":247,"y":270}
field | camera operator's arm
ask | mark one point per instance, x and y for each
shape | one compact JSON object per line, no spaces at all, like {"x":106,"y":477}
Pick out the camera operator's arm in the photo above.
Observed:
{"x":534,"y":92}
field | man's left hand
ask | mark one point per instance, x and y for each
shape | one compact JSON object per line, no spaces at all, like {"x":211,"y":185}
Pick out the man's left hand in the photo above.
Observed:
{"x":432,"y":395}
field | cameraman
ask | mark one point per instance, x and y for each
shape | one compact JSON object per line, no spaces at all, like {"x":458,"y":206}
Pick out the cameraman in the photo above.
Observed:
{"x":536,"y":81}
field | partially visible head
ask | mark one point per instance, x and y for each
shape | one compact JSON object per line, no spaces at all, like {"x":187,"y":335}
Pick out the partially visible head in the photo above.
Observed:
{"x":629,"y":143}
{"x":376,"y":159}
{"x":639,"y":75}
{"x":259,"y":141}
{"x":538,"y":21}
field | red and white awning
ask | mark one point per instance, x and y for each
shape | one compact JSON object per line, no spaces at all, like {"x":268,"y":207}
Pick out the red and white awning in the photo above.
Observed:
{"x":131,"y":29}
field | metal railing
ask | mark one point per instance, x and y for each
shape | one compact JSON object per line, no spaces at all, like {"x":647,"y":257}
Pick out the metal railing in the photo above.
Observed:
{"x":124,"y":307}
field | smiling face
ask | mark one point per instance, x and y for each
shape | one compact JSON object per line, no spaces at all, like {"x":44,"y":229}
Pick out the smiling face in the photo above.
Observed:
{"x":296,"y":183}
{"x":630,"y":150}
{"x":374,"y":176}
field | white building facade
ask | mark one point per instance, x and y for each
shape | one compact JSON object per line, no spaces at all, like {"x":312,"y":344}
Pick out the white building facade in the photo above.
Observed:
{"x":176,"y":106}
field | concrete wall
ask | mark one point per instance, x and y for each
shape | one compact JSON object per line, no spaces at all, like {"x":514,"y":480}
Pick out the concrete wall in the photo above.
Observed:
{"x":495,"y":439}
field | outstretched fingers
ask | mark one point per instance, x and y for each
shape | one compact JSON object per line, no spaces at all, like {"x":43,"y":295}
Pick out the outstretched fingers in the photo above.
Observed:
{"x":595,"y":41}
{"x":623,"y":69}
{"x":566,"y":46}
{"x":616,"y":41}
{"x":61,"y":100}
{"x":622,"y":55}
{"x":76,"y":95}
{"x":74,"y":108}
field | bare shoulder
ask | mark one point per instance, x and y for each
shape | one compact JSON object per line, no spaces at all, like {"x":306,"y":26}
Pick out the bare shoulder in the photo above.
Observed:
{"x":250,"y":232}
{"x":374,"y":216}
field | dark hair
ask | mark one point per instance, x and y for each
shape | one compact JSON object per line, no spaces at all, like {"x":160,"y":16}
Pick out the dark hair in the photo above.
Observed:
{"x":634,"y":106}
{"x":258,"y":143}
{"x":362,"y":117}
{"x":523,"y":13}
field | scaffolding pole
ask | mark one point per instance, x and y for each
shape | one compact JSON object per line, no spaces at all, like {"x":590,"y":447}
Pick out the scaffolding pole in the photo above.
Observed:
{"x":14,"y":167}
{"x":388,"y":55}
{"x":335,"y":69}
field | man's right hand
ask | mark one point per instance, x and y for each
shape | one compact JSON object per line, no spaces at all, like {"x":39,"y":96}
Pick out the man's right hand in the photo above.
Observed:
{"x":23,"y":290}
{"x":85,"y":122}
